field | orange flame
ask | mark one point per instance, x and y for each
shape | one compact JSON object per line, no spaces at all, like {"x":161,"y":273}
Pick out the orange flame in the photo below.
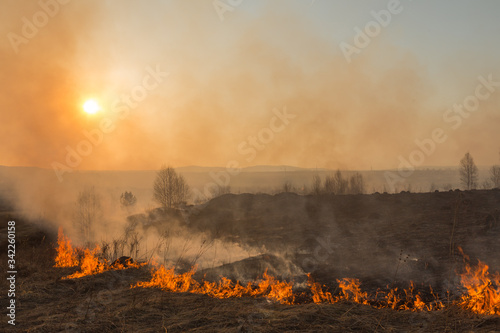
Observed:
{"x":483,"y":290}
{"x":482,"y":287}
{"x":319,"y":296}
{"x":66,"y":255}
{"x":268,"y":286}
{"x":351,"y":291}
{"x":90,"y":265}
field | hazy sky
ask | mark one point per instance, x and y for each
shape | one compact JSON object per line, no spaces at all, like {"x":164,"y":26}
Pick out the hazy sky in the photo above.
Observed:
{"x":252,"y":82}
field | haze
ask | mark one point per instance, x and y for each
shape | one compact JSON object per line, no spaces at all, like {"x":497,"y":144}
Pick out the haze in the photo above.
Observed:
{"x":223,"y":74}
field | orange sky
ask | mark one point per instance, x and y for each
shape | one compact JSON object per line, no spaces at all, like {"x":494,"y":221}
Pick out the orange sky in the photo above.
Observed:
{"x":227,"y":87}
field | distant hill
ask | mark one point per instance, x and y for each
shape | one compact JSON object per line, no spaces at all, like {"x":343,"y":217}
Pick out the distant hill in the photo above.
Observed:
{"x":256,"y":168}
{"x":41,"y":183}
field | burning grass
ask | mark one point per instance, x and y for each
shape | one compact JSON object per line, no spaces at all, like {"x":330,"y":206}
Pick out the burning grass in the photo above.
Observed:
{"x":350,"y":291}
{"x":66,"y":255}
{"x":481,"y":288}
{"x":482,"y":291}
{"x":268,"y":286}
{"x":90,"y":261}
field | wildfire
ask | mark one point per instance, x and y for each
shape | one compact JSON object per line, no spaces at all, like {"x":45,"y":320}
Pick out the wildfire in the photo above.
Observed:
{"x":90,"y":263}
{"x":268,"y":286}
{"x":351,"y":291}
{"x":66,"y":255}
{"x":482,"y":289}
{"x":318,"y":295}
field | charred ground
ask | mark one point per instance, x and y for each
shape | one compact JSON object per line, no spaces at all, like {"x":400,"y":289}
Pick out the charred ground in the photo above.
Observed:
{"x":380,"y":239}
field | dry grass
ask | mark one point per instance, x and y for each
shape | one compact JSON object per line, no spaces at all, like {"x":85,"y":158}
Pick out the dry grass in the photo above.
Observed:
{"x":105,"y":303}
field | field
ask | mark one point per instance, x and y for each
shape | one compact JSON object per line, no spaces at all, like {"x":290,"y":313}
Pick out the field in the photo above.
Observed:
{"x":383,"y":240}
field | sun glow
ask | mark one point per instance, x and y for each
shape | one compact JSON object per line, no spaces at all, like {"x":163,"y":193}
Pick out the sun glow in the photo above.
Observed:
{"x":91,"y":106}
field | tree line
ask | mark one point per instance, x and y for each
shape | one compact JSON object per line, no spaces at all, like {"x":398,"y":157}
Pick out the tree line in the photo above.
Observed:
{"x":170,"y":190}
{"x":337,"y":184}
{"x":469,"y":174}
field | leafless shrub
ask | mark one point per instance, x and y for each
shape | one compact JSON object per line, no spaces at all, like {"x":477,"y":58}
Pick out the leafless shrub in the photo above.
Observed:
{"x":356,"y":184}
{"x":204,"y":246}
{"x":105,"y":247}
{"x":339,"y":183}
{"x":316,"y":185}
{"x":133,"y":243}
{"x":329,"y":184}
{"x":287,"y":186}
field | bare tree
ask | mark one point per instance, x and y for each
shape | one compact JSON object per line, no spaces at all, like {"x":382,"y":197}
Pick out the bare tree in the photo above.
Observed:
{"x":495,"y":176}
{"x":468,"y":172}
{"x":164,"y":187}
{"x":181,"y":192}
{"x":169,"y":189}
{"x":356,"y":184}
{"x":486,"y":184}
{"x":329,"y":184}
{"x":340,"y":184}
{"x":316,"y":185}
{"x":287,"y":186}
{"x":88,"y":213}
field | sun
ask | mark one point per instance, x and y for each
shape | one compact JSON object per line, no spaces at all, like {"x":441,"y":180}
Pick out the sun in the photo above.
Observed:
{"x":91,"y":106}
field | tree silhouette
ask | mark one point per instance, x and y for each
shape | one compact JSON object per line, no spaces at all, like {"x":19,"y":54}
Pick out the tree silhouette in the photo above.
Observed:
{"x":495,"y":176}
{"x":316,"y":185}
{"x":468,"y":172}
{"x":128,"y":200}
{"x":340,"y":184}
{"x":88,"y":212}
{"x":170,"y":189}
{"x":356,"y":184}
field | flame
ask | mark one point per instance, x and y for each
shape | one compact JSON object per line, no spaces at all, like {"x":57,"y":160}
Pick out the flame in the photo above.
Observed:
{"x":66,"y":255}
{"x":268,"y":286}
{"x":483,"y":290}
{"x":90,"y":264}
{"x":318,"y":295}
{"x":351,"y":291}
